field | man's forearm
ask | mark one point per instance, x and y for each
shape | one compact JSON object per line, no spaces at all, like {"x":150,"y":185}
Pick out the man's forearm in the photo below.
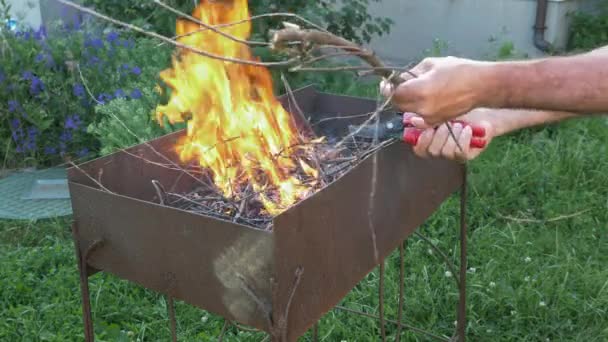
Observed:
{"x":510,"y":120}
{"x":577,"y":83}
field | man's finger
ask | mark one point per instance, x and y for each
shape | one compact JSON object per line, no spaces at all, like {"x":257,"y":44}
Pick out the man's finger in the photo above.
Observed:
{"x":450,"y":147}
{"x":439,"y":140}
{"x":425,"y":139}
{"x":386,"y":88}
{"x":464,"y":141}
{"x":419,"y":122}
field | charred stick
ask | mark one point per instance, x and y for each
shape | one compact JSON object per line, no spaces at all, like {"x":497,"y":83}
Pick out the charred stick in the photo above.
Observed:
{"x":310,"y":38}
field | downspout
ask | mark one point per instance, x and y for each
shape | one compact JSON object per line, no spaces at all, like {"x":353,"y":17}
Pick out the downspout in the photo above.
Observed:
{"x":540,"y":26}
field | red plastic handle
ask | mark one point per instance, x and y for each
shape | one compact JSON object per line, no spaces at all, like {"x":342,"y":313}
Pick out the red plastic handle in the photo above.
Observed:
{"x":411,"y":137}
{"x":478,"y":131}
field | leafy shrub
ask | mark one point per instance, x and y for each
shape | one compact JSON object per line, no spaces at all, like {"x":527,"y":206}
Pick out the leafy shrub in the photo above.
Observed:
{"x":126,"y":123}
{"x":349,"y":18}
{"x":589,"y":31}
{"x":52,"y":79}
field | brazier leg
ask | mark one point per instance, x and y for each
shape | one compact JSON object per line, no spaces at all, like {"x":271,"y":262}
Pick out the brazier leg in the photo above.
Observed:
{"x":172,"y":320}
{"x":401,"y":290}
{"x":87,"y":317}
{"x":462,"y":305}
{"x":381,"y":302}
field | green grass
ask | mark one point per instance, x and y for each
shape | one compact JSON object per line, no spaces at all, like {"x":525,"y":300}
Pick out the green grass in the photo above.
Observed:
{"x":538,"y":274}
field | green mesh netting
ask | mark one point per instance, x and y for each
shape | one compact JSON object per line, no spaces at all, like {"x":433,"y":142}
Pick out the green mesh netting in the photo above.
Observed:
{"x":35,"y":194}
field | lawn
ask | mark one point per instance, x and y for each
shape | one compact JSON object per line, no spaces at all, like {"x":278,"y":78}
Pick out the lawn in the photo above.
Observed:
{"x":538,"y":261}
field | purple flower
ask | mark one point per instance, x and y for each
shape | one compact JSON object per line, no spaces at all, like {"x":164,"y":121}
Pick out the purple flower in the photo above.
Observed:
{"x":112,"y":37}
{"x":50,"y":61}
{"x":40,"y":33}
{"x":78,"y":90}
{"x":125,"y":66}
{"x":36,"y":86}
{"x":83,"y":152}
{"x":77,"y":22}
{"x":65,"y":136}
{"x":95,"y":43}
{"x":2,"y":77}
{"x":136,"y":94}
{"x":26,"y":35}
{"x":119,"y":94}
{"x":103,"y":98}
{"x":30,"y":143}
{"x":40,"y":57}
{"x":93,"y":60}
{"x":50,"y":150}
{"x":136,"y":70}
{"x":27,"y":75}
{"x":13,"y":106}
{"x":72,"y":122}
{"x":15,"y":123}
{"x":128,"y":43}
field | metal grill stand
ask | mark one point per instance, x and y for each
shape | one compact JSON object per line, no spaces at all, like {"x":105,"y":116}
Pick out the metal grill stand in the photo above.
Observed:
{"x":267,"y":280}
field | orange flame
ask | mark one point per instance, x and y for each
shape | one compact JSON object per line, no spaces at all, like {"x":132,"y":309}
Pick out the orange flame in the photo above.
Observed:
{"x":235,"y":126}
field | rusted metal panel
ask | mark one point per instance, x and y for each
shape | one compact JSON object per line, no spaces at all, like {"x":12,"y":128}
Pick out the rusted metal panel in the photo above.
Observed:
{"x":193,"y":258}
{"x":330,"y":234}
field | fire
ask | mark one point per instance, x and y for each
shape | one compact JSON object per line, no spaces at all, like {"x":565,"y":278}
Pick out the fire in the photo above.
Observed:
{"x":235,"y":126}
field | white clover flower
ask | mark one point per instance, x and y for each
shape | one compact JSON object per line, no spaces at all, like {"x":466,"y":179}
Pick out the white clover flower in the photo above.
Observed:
{"x":527,"y":279}
{"x":472,"y":270}
{"x":513,"y":312}
{"x":528,"y":259}
{"x":448,"y":274}
{"x":492,"y":284}
{"x":542,"y":303}
{"x":204,"y":319}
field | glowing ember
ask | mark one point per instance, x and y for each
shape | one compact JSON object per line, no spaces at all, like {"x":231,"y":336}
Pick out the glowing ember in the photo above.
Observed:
{"x":236,"y":127}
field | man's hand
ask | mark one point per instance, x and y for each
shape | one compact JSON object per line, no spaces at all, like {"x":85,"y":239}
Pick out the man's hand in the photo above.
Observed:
{"x":442,"y":89}
{"x":437,"y":142}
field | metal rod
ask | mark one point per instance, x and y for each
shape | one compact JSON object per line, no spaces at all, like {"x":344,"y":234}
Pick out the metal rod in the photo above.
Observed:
{"x":381,"y":302}
{"x":89,"y":334}
{"x":462,"y":306}
{"x":401,"y":289}
{"x":224,"y":330}
{"x":172,"y":320}
{"x":443,"y":256}
{"x":405,"y":326}
{"x":315,"y":332}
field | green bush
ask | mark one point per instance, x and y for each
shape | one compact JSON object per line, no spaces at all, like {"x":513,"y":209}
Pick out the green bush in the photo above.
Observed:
{"x":126,"y":123}
{"x":52,"y":78}
{"x":589,"y":31}
{"x":350,"y":20}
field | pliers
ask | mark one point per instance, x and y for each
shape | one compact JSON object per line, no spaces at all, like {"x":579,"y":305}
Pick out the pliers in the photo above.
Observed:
{"x":395,"y":128}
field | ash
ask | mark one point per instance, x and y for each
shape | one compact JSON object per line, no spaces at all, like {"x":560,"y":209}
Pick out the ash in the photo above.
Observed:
{"x":246,"y":207}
